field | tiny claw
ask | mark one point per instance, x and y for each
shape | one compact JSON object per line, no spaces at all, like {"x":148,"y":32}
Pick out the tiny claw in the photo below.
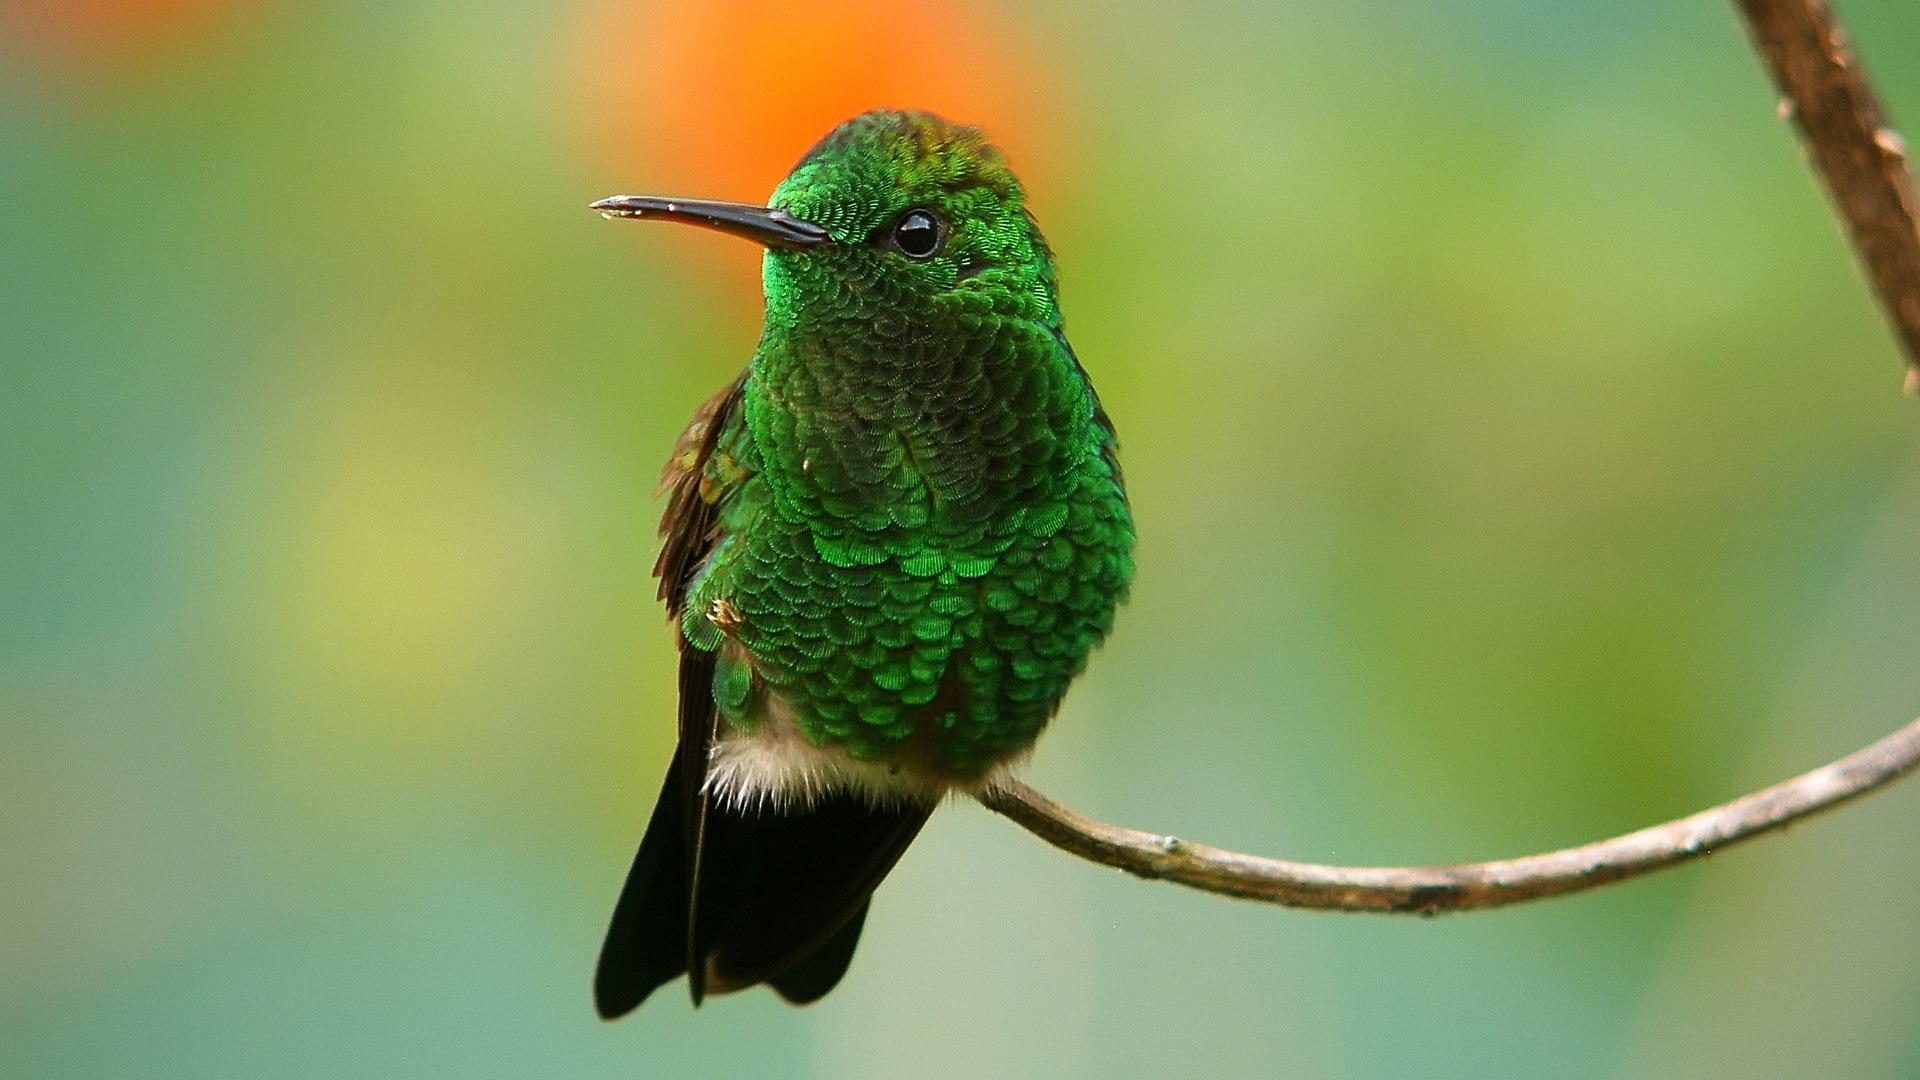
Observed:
{"x":1912,"y":386}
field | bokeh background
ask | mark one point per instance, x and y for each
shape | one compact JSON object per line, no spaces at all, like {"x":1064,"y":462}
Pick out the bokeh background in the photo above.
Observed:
{"x":1517,"y":455}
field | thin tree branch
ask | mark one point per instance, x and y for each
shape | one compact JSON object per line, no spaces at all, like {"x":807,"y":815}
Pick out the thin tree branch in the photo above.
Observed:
{"x":1428,"y":890}
{"x":1863,"y":162}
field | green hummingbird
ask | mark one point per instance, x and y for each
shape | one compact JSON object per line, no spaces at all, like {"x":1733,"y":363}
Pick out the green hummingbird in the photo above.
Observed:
{"x":889,"y":545}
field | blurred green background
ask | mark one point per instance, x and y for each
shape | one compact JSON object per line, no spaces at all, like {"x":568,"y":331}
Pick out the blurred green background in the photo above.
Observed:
{"x":1516,"y":452}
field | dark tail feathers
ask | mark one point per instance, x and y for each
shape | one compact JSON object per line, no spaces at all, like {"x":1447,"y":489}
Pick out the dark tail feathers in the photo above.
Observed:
{"x":776,"y":898}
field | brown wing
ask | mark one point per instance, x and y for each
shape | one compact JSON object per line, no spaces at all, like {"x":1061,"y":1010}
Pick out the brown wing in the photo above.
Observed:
{"x":650,"y":938}
{"x":689,"y":527}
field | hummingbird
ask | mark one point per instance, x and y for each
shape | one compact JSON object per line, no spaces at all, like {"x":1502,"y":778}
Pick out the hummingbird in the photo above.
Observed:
{"x":888,"y":547}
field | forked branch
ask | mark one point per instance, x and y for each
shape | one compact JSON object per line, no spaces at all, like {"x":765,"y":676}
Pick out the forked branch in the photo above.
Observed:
{"x":1863,"y":163}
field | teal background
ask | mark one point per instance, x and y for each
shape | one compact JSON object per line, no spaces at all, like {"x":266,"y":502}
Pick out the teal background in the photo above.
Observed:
{"x":1517,"y":456}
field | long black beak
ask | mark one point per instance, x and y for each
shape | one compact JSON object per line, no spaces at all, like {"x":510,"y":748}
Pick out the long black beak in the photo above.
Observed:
{"x":761,"y":224}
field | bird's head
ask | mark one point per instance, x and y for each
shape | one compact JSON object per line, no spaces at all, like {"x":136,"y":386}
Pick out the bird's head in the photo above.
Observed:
{"x":893,"y":219}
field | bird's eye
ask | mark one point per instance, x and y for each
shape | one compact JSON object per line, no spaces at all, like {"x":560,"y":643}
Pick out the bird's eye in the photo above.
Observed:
{"x":918,"y":234}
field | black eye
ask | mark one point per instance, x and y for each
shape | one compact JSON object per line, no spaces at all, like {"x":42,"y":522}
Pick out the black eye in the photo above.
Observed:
{"x":918,"y":233}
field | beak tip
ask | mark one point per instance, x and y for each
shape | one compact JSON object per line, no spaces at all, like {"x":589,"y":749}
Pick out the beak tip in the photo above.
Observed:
{"x":766,"y":225}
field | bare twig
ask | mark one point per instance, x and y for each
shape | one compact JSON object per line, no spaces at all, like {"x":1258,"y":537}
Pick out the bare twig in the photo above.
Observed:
{"x":1863,"y":162}
{"x":1427,"y":890}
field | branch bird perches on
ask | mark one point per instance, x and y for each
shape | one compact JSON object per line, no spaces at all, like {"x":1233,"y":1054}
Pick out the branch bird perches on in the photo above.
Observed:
{"x":1429,"y":890}
{"x":1863,"y":163}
